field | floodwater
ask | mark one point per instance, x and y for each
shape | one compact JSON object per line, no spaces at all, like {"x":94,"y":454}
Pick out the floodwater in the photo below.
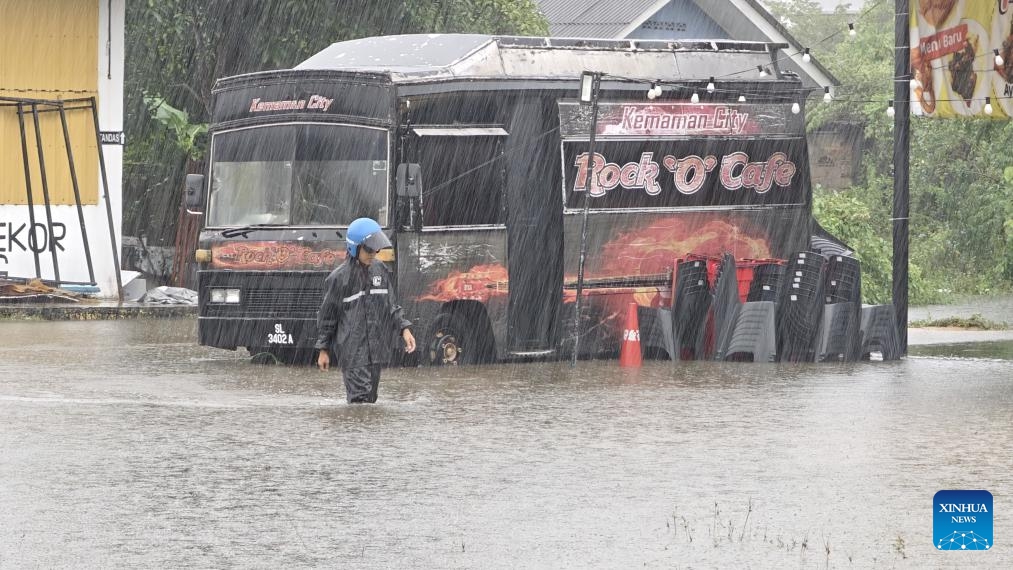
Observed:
{"x":124,"y":444}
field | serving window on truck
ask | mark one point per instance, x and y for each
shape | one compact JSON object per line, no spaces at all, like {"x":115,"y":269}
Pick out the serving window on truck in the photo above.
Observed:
{"x":463,"y":176}
{"x":298,"y":174}
{"x":656,"y":156}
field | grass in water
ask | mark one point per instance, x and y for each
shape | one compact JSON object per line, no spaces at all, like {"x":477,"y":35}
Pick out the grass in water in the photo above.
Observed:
{"x":974,"y":322}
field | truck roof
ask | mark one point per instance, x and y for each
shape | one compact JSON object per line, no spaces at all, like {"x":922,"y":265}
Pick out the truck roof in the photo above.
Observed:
{"x":420,"y":58}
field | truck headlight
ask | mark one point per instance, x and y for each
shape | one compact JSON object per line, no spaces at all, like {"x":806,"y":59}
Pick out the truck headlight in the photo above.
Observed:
{"x":232,"y":296}
{"x":202,"y":256}
{"x":218,"y":295}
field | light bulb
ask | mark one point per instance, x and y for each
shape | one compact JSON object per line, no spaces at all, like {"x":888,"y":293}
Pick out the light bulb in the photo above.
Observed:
{"x":657,"y":90}
{"x":998,"y":58}
{"x":742,"y":98}
{"x":806,"y":57}
{"x":890,"y":111}
{"x":795,"y":108}
{"x":762,"y":70}
{"x":851,"y":29}
{"x":710,"y":85}
{"x":651,"y":95}
{"x":827,"y":97}
{"x":988,"y":105}
{"x":695,"y":98}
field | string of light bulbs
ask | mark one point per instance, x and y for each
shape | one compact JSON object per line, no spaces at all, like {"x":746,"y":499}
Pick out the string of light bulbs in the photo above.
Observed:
{"x":655,"y":90}
{"x":806,"y":51}
{"x":656,"y":86}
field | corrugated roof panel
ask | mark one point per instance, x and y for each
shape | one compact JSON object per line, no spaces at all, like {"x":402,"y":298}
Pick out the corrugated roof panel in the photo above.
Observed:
{"x":565,"y":10}
{"x":592,"y":18}
{"x":610,"y":18}
{"x":585,"y":30}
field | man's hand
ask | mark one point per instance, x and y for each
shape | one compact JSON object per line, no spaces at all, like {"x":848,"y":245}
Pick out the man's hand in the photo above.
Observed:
{"x":323,"y":360}
{"x":409,"y":340}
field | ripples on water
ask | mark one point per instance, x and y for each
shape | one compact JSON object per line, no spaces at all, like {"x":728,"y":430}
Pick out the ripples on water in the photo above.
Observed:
{"x":125,"y":444}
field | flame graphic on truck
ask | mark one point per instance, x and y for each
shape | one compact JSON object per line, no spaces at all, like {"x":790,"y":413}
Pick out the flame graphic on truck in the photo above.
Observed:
{"x":624,"y":262}
{"x":480,"y":283}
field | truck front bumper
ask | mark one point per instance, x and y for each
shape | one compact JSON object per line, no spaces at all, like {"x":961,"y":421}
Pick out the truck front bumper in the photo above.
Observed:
{"x":257,"y":333}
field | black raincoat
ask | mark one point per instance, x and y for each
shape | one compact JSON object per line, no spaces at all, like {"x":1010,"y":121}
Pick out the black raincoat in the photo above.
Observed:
{"x":360,"y":319}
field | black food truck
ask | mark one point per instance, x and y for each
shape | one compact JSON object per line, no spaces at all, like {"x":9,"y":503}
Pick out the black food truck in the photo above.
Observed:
{"x":472,"y":152}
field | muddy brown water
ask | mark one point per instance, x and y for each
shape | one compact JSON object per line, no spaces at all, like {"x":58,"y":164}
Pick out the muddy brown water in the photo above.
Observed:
{"x":124,"y":444}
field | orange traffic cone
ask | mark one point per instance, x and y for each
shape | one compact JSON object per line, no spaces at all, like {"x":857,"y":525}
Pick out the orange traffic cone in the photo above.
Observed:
{"x":629,"y":352}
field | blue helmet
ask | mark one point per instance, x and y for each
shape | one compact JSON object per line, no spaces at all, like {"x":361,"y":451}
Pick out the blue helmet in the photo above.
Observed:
{"x":367,"y":233}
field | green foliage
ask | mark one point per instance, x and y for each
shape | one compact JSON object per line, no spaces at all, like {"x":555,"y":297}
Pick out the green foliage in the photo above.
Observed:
{"x":514,"y":17}
{"x":860,"y":219}
{"x":961,"y":172}
{"x":180,"y":47}
{"x":849,"y":218}
{"x":178,"y":121}
{"x":809,"y":25}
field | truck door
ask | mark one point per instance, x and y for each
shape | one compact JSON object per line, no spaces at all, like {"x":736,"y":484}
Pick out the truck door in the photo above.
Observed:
{"x":535,"y":228}
{"x":457,"y":245}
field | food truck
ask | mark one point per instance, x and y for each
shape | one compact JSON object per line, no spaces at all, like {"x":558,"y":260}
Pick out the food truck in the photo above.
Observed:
{"x":472,"y":153}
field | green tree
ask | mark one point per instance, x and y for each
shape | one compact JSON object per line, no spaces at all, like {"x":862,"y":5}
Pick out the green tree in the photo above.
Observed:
{"x":809,"y":25}
{"x":961,"y":176}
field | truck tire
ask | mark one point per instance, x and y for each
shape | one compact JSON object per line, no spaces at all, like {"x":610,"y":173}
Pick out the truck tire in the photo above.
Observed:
{"x":452,"y":341}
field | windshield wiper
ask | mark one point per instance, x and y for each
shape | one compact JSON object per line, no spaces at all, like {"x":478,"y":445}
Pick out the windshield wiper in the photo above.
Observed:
{"x":245,"y":230}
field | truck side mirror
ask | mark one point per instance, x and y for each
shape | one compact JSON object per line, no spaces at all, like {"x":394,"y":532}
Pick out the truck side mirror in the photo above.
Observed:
{"x":409,"y":180}
{"x":194,"y":197}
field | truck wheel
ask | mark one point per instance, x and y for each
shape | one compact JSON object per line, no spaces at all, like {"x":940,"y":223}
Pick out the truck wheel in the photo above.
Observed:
{"x":452,"y":341}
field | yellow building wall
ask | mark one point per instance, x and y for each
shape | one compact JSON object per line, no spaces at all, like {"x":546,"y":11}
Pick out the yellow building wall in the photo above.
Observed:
{"x":48,"y":50}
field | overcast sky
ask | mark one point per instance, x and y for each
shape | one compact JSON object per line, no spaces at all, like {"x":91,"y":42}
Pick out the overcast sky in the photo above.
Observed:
{"x":829,"y":5}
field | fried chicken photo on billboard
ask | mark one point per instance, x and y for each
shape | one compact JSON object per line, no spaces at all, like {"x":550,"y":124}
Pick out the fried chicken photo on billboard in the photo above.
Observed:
{"x":934,"y":12}
{"x":961,"y":67}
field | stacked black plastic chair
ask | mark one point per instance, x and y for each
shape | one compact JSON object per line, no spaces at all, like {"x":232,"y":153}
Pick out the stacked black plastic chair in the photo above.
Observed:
{"x":839,"y":333}
{"x":766,"y":282}
{"x":755,"y":336}
{"x":726,"y":306}
{"x":746,"y":331}
{"x":690,"y":309}
{"x":879,"y":333}
{"x":843,"y":280}
{"x":800,"y":307}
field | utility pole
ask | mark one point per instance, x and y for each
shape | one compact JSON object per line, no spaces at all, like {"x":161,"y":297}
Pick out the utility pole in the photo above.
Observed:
{"x":901,"y":160}
{"x":589,"y":84}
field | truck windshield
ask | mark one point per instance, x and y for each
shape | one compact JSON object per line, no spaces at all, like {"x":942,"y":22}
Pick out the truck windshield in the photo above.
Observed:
{"x":298,"y":175}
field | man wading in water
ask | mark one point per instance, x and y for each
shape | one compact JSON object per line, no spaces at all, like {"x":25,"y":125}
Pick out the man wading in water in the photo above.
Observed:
{"x":360,"y":316}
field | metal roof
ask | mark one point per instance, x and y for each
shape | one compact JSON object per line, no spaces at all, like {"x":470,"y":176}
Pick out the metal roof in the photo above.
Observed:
{"x":741,"y":19}
{"x":441,"y":57}
{"x":592,"y":18}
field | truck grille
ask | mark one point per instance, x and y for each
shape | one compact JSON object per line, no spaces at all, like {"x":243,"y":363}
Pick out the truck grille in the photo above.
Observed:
{"x":263,"y":294}
{"x":277,"y":302}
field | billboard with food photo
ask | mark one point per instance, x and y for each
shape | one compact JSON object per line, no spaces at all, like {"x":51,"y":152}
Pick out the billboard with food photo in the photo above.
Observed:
{"x":954,"y":44}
